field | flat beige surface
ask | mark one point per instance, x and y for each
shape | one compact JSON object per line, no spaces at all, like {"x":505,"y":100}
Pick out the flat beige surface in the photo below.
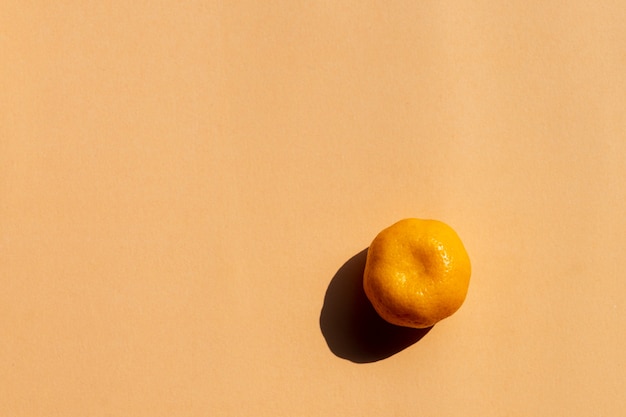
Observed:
{"x":183,"y":184}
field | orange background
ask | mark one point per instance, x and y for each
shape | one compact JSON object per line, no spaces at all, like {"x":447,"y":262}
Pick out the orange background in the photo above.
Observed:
{"x":183,"y":183}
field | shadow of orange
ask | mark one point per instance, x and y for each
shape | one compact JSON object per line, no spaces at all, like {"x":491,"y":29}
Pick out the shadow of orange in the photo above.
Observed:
{"x":352,"y":328}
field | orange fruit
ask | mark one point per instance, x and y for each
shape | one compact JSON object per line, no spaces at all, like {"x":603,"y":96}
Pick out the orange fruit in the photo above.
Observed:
{"x":417,"y":273}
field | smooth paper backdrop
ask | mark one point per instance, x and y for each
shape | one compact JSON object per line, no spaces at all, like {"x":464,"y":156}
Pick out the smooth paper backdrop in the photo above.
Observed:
{"x":180,"y":182}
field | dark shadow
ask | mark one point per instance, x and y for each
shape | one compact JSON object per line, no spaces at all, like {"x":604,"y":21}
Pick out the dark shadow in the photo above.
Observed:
{"x":352,"y":328}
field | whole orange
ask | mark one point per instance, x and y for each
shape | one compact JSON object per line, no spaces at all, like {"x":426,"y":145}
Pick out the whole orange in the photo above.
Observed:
{"x":417,"y":273}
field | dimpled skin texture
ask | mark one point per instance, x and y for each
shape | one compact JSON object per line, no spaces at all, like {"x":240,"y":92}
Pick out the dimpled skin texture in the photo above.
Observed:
{"x":417,"y":273}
